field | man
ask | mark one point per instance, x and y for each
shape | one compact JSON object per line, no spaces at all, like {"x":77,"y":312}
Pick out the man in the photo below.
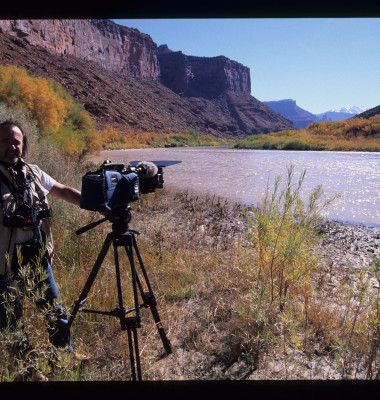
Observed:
{"x":25,"y":234}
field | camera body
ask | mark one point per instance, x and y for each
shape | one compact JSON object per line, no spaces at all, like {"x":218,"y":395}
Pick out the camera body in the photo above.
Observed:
{"x":23,"y":219}
{"x":116,"y":185}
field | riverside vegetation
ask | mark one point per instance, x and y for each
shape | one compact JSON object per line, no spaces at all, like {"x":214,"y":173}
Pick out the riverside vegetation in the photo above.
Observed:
{"x":242,"y":294}
{"x":353,"y":134}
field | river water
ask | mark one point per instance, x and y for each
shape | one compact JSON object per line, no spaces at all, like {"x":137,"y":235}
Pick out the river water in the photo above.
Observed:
{"x":243,"y":175}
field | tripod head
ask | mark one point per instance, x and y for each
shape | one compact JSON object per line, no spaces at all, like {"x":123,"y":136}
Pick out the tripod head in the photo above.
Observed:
{"x":120,"y":219}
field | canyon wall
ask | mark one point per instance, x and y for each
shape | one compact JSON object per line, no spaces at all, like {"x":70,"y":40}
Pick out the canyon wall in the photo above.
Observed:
{"x":206,"y":77}
{"x":117,"y":48}
{"x":131,"y":53}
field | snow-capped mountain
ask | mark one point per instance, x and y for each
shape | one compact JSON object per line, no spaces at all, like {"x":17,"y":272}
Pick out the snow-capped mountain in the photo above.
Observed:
{"x":349,"y":109}
{"x":340,"y":113}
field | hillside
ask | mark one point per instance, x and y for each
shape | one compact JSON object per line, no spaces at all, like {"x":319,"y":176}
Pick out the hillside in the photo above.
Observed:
{"x":369,"y":113}
{"x":127,"y":93}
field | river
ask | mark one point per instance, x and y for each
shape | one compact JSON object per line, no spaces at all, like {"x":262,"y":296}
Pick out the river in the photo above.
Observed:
{"x":243,"y":175}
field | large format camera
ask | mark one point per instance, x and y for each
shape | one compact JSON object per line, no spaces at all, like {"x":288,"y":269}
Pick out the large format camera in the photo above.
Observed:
{"x":115,"y":185}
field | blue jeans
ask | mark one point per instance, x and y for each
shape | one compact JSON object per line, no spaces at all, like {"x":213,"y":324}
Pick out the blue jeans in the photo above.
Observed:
{"x":59,"y":333}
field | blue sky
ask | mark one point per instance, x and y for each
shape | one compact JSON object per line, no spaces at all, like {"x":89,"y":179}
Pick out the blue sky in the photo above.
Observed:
{"x":322,"y":63}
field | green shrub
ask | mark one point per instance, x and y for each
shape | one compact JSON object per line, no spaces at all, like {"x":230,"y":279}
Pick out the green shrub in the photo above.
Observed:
{"x":283,"y":237}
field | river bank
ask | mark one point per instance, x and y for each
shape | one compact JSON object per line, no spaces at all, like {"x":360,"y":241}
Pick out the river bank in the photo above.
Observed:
{"x":212,"y":340}
{"x":347,"y":246}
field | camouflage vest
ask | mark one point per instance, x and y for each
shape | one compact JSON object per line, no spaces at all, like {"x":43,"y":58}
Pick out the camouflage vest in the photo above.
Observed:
{"x":10,"y":235}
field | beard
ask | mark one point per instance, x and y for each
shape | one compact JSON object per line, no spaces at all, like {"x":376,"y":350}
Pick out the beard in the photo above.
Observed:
{"x":11,"y":158}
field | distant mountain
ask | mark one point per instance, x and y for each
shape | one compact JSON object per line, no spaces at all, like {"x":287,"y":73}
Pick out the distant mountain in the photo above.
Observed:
{"x":349,"y":109}
{"x":338,"y":114}
{"x":369,"y":113}
{"x":302,"y":118}
{"x":334,"y":116}
{"x":289,"y":109}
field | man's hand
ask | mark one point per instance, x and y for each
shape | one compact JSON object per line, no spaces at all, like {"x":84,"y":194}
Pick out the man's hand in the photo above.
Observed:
{"x":66,"y":193}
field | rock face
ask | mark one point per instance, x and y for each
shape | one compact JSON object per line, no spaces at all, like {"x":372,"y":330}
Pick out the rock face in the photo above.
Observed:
{"x":206,"y":77}
{"x":116,"y":73}
{"x":117,"y":48}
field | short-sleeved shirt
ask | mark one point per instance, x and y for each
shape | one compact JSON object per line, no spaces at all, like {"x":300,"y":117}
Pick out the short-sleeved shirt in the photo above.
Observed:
{"x":47,"y":181}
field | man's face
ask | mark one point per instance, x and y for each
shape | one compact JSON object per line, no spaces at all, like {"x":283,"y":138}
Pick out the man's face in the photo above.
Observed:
{"x":10,"y":144}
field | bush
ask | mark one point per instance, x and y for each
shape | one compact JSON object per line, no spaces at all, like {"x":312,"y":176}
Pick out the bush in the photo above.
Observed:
{"x":283,"y":237}
{"x":295,"y":144}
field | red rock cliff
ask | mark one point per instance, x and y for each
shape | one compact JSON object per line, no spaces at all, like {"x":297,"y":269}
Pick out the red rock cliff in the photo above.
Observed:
{"x":117,"y":48}
{"x":206,"y":77}
{"x":131,"y":53}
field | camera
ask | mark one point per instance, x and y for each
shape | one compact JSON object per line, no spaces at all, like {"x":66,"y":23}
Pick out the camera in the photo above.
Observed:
{"x":115,"y":185}
{"x":23,"y":219}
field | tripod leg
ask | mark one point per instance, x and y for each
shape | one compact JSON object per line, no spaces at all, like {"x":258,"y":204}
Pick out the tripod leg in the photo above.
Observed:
{"x":138,"y":364}
{"x":129,"y":250}
{"x":134,"y":355}
{"x":131,"y":355}
{"x":161,"y":331}
{"x":118,"y":284}
{"x":137,"y":353}
{"x":151,"y":301}
{"x":91,"y":278}
{"x":129,"y":323}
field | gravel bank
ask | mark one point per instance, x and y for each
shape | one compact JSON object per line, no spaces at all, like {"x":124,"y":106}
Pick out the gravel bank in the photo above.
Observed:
{"x":346,"y":246}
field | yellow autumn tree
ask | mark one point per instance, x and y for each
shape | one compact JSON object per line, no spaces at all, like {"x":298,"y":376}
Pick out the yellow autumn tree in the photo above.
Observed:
{"x":56,"y":113}
{"x":37,"y":95}
{"x":111,"y":135}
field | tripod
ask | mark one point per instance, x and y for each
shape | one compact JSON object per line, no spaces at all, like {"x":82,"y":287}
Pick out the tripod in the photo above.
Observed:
{"x":121,"y":236}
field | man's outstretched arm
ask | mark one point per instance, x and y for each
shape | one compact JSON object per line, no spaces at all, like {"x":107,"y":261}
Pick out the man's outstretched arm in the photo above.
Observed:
{"x":66,"y":193}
